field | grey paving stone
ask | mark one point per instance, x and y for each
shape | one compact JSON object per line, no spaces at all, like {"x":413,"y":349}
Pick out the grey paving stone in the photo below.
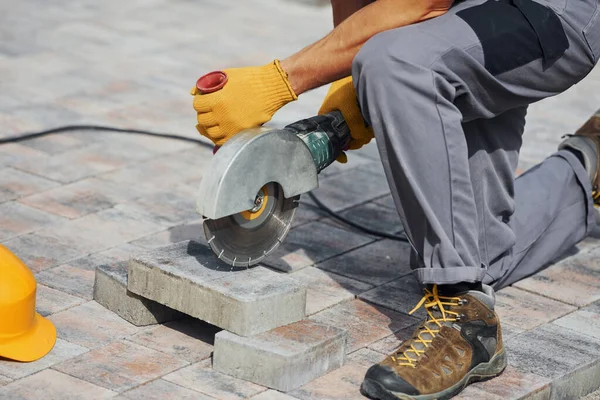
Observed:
{"x":110,"y":290}
{"x":50,"y":301}
{"x":62,"y":350}
{"x":50,"y":384}
{"x":326,"y":289}
{"x":586,"y":321}
{"x":204,"y":379}
{"x":179,"y":233}
{"x":284,"y":358}
{"x":578,"y":383}
{"x":527,"y":310}
{"x":375,"y":217}
{"x":401,"y":295}
{"x":574,"y":280}
{"x":364,"y":322}
{"x":303,"y":247}
{"x":40,"y":251}
{"x":161,"y":389}
{"x":15,"y":184}
{"x":351,"y":188}
{"x":17,"y":219}
{"x":552,"y":351}
{"x":189,"y":278}
{"x":376,"y":263}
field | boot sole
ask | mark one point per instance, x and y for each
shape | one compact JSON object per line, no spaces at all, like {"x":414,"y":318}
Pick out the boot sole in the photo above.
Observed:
{"x":482,"y":372}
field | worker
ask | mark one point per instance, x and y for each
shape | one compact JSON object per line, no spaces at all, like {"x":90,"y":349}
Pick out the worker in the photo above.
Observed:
{"x":24,"y":334}
{"x":444,"y":88}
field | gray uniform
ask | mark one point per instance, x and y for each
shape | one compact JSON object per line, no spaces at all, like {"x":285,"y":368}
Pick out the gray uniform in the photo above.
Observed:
{"x":447,"y":99}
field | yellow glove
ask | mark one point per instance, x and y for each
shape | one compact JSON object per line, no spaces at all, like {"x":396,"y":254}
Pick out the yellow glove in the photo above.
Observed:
{"x":342,"y":97}
{"x":249,"y":99}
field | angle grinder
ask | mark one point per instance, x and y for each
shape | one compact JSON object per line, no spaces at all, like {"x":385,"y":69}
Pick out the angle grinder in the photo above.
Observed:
{"x":250,"y":192}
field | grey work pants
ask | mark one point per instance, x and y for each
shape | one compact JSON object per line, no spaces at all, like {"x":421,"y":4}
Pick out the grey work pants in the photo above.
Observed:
{"x":447,"y":100}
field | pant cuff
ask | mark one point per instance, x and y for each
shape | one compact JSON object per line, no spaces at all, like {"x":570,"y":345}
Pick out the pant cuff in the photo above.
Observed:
{"x":586,"y":186}
{"x":449,"y":276}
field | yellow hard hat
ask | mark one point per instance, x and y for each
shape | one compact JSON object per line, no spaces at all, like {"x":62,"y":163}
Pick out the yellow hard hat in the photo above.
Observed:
{"x":24,"y":334}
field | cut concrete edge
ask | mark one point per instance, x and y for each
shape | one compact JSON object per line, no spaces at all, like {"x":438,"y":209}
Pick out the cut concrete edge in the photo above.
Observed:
{"x":266,"y":346}
{"x":238,"y":357}
{"x":578,"y":383}
{"x":208,"y":302}
{"x":110,"y":291}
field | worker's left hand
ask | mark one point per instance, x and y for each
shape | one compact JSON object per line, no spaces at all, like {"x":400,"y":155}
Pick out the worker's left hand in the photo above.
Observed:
{"x":250,"y":98}
{"x":342,"y":97}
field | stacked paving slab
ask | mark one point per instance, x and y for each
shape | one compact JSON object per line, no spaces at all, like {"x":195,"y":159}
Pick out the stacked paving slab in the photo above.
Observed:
{"x":265,"y":337}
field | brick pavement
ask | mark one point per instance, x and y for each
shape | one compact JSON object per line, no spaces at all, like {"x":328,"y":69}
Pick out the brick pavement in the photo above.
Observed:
{"x":71,"y":202}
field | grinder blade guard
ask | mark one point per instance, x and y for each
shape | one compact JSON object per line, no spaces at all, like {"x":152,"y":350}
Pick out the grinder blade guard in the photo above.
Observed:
{"x":250,"y":192}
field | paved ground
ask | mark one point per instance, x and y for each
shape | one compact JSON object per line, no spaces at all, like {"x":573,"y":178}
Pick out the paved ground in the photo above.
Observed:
{"x":70,"y":202}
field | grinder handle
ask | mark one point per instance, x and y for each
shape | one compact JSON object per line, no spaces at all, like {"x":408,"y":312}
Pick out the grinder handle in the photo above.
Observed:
{"x":325,"y":135}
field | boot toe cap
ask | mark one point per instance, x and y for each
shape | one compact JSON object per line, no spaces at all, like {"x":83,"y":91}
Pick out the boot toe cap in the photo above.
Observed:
{"x":386,"y":377}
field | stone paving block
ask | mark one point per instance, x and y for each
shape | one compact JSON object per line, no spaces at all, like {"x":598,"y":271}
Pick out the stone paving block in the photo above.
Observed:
{"x":375,"y":217}
{"x":50,"y":301}
{"x":68,"y":279}
{"x":515,"y":385}
{"x":51,"y":384}
{"x":91,"y":325}
{"x":120,"y":366}
{"x":189,"y":339}
{"x":401,"y":295}
{"x":527,"y":310}
{"x":41,"y":251}
{"x":89,"y":161}
{"x":110,"y":290}
{"x":202,"y":378}
{"x":303,"y":248}
{"x":390,"y":343}
{"x":105,"y":229}
{"x":341,"y":384}
{"x":326,"y":289}
{"x":179,"y":233}
{"x":376,"y":263}
{"x":307,"y":212}
{"x":81,"y":198}
{"x":272,"y":395}
{"x":12,"y":153}
{"x":582,"y":381}
{"x":351,"y":188}
{"x":55,"y":144}
{"x":189,"y":278}
{"x":61,"y":351}
{"x":15,"y":184}
{"x":586,"y":321}
{"x":364,"y":322}
{"x":284,"y":358}
{"x":386,"y":201}
{"x":575,"y":280}
{"x":161,"y":389}
{"x":112,"y":255}
{"x":552,"y":351}
{"x":175,"y":206}
{"x":17,"y":219}
{"x":182,"y":167}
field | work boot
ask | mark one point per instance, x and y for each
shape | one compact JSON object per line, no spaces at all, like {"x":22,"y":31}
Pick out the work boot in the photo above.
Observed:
{"x":459,"y":343}
{"x":585,"y":144}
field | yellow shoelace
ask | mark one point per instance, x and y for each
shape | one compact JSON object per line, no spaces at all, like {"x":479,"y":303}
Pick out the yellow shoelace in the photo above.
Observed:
{"x":431,"y":326}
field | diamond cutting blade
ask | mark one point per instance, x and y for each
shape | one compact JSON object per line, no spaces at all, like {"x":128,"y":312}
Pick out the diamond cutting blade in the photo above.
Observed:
{"x":246,"y":238}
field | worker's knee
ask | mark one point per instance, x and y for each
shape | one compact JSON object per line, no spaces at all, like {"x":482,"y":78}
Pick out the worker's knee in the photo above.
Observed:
{"x":393,"y":56}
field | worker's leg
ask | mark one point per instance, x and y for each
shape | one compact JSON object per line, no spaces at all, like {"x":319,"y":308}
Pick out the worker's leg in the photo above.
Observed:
{"x":446,"y":99}
{"x":418,"y":87}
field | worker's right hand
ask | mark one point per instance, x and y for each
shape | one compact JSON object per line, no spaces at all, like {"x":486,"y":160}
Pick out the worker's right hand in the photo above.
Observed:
{"x":342,"y":97}
{"x":250,"y":98}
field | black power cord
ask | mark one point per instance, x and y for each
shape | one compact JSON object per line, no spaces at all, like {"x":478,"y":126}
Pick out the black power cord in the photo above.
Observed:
{"x":70,"y":128}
